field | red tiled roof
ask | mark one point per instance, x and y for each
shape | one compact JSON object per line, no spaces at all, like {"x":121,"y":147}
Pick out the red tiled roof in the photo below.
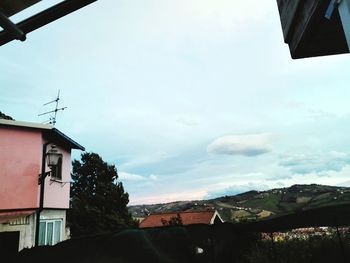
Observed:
{"x":9,"y":216}
{"x":187,"y":218}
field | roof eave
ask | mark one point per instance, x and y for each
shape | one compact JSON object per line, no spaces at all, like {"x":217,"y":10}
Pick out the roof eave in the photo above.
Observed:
{"x":49,"y":132}
{"x":57,"y":135}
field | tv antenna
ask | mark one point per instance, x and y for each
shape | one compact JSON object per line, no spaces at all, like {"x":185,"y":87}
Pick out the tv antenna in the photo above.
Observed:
{"x":52,"y":119}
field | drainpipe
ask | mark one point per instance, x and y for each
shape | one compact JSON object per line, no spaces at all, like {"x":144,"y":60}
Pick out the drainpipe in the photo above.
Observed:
{"x":41,"y":197}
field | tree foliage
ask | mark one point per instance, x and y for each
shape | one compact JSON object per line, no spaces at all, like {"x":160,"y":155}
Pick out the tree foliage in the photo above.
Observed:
{"x":98,"y":200}
{"x":173,"y":221}
{"x":6,"y":117}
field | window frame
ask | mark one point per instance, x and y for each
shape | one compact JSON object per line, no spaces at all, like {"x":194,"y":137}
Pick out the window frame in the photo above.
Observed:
{"x":56,"y":171}
{"x":53,"y":240}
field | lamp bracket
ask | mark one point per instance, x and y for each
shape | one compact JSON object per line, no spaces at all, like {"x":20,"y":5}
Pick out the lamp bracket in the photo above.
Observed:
{"x":42,"y":178}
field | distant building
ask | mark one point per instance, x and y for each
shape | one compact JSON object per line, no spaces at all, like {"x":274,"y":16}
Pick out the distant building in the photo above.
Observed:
{"x":22,"y":153}
{"x":182,"y":218}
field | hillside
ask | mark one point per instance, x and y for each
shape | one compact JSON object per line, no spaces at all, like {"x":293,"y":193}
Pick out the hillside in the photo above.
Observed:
{"x":254,"y":205}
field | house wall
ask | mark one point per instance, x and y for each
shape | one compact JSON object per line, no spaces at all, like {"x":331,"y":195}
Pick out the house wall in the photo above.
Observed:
{"x":20,"y":161}
{"x":56,"y":193}
{"x":27,"y":231}
{"x":56,"y":214}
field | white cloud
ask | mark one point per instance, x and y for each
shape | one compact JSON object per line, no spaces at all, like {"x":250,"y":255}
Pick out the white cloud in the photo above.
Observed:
{"x":136,"y":177}
{"x":247,"y":145}
{"x":153,"y":177}
{"x":131,"y":177}
{"x":146,"y":159}
{"x":170,"y":197}
{"x":187,"y":120}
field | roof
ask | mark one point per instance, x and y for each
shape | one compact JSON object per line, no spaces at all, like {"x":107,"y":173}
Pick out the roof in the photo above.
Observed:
{"x":187,"y":218}
{"x":50,"y":133}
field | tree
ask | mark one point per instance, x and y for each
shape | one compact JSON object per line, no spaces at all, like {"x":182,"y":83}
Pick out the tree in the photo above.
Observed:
{"x":98,"y":200}
{"x":6,"y":117}
{"x":173,"y":221}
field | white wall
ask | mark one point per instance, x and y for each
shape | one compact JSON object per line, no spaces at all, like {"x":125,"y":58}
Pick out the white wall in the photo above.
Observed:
{"x":27,"y":232}
{"x":26,"y":235}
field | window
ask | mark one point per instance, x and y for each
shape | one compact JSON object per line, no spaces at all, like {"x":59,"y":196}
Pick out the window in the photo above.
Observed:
{"x":50,"y":232}
{"x":56,"y":171}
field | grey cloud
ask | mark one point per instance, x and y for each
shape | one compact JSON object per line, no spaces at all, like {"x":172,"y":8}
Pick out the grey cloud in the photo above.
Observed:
{"x":246,"y":145}
{"x":317,"y":163}
{"x":237,"y":189}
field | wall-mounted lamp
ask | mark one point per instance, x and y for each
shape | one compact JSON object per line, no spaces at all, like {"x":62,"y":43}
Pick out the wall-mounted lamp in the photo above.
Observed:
{"x":53,"y":156}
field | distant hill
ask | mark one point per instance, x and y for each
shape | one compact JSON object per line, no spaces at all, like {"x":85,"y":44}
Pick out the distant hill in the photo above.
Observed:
{"x":254,"y":205}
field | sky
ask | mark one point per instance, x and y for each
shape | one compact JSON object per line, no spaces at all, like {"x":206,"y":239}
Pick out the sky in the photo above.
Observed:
{"x":190,"y":99}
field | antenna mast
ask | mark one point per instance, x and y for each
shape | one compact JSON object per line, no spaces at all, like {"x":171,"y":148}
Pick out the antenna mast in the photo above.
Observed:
{"x":52,"y":119}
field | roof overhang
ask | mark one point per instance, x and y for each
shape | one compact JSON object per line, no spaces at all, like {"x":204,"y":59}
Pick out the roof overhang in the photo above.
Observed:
{"x":18,"y":31}
{"x":308,"y":32}
{"x":49,"y":132}
{"x":59,"y":137}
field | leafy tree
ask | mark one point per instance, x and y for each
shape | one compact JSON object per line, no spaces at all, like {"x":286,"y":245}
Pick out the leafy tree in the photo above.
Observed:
{"x":173,"y":221}
{"x":98,"y":200}
{"x":6,"y":117}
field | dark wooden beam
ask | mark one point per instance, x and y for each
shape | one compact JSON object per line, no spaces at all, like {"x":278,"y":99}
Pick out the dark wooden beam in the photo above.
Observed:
{"x":306,"y":30}
{"x":45,"y":17}
{"x":11,"y":7}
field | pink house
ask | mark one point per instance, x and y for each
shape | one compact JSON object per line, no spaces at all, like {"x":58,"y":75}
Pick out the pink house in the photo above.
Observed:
{"x":23,"y":150}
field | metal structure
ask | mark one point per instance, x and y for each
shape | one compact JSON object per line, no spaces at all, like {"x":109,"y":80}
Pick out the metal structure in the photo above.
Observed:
{"x":19,"y":31}
{"x":52,"y":119}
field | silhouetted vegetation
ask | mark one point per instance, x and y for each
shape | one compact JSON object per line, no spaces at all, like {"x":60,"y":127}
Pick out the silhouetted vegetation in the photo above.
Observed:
{"x":98,"y":200}
{"x":319,"y":249}
{"x":173,"y":221}
{"x":224,"y":243}
{"x":6,"y":117}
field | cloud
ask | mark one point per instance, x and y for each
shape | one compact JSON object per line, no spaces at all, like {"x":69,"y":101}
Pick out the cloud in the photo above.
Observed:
{"x":237,"y":189}
{"x":187,"y":121}
{"x":153,"y":177}
{"x":315,"y":163}
{"x":246,"y":145}
{"x":319,"y":114}
{"x":130,"y":177}
{"x":144,"y":160}
{"x":136,"y":177}
{"x":170,"y":197}
{"x":346,"y":183}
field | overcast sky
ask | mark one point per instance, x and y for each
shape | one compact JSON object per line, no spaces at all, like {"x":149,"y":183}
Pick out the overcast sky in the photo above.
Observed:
{"x":190,"y":99}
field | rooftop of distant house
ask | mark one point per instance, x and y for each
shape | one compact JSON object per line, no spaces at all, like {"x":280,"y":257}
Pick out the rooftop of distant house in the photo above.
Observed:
{"x":181,"y":218}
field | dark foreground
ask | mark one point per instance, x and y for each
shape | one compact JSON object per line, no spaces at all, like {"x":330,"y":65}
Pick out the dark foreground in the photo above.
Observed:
{"x":198,"y":243}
